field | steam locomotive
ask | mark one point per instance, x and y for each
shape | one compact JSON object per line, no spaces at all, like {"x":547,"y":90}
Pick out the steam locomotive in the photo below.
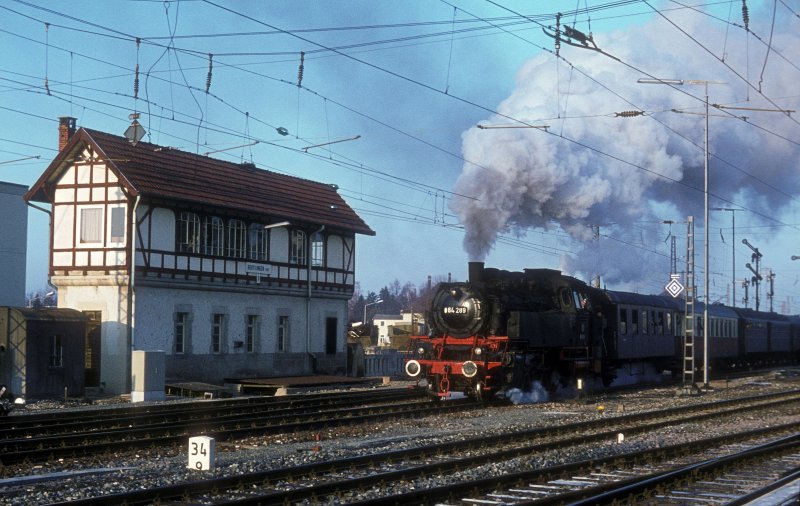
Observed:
{"x":504,"y":330}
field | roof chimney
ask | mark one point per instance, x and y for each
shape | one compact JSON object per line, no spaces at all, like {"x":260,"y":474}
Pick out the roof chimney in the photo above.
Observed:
{"x":66,"y":128}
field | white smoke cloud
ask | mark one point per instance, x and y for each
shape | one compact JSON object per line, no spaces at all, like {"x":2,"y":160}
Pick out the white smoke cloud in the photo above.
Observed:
{"x":523,"y":179}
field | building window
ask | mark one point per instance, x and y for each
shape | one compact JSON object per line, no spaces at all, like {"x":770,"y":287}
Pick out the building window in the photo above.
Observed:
{"x":189,"y":233}
{"x":92,"y":225}
{"x":257,"y":242}
{"x":117,"y":224}
{"x":297,"y":247}
{"x":217,"y":332}
{"x":213,"y":236}
{"x":317,"y":250}
{"x":283,"y":332}
{"x":237,"y":239}
{"x":56,"y":351}
{"x":181,"y":332}
{"x":252,"y":333}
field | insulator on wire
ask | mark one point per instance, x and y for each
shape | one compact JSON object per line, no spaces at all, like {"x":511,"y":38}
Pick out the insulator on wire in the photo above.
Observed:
{"x":558,"y":33}
{"x":745,"y":16}
{"x":136,"y":75}
{"x":300,"y":70}
{"x":210,"y":68}
{"x":628,"y":114}
{"x":136,"y":83}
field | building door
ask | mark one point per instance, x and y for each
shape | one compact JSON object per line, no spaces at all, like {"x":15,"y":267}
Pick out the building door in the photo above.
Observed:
{"x":93,"y":341}
{"x":331,"y":326}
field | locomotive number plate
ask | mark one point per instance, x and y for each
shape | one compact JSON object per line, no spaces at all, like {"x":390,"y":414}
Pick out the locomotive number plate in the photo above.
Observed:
{"x":455,"y":310}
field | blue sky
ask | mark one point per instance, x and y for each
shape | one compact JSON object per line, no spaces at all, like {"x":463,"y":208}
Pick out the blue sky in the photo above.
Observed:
{"x":588,"y":194}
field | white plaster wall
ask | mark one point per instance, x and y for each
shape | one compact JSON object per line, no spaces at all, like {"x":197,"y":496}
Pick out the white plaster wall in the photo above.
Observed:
{"x":63,"y":226}
{"x":335,"y":253}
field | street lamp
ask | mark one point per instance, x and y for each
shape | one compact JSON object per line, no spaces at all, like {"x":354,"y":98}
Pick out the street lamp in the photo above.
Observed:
{"x":370,"y":304}
{"x":679,"y":82}
{"x":795,"y":257}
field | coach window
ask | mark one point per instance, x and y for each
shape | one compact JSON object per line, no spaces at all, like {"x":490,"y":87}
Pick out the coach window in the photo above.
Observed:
{"x":644,"y":322}
{"x":634,"y":322}
{"x":623,"y":321}
{"x":668,"y":321}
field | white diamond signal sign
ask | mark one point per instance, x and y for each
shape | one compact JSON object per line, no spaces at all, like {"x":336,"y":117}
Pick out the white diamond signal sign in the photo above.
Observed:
{"x":674,"y":287}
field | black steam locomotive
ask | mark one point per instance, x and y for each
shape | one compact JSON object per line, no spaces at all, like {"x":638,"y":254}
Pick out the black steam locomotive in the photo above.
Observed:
{"x":504,"y":330}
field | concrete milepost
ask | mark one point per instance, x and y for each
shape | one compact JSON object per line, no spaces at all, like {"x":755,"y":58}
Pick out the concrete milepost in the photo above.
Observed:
{"x":202,"y":453}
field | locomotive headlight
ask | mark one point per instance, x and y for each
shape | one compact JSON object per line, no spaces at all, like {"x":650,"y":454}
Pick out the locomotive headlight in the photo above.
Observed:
{"x":420,"y":351}
{"x":477,"y":351}
{"x":413,"y":368}
{"x":468,"y":368}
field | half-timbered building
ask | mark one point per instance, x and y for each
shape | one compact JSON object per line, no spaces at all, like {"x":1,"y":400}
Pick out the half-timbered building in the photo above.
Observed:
{"x":232,"y":271}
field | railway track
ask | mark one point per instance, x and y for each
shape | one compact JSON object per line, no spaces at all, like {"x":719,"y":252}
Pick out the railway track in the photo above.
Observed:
{"x":29,"y":438}
{"x":378,"y":476}
{"x":735,"y":478}
{"x":74,"y":421}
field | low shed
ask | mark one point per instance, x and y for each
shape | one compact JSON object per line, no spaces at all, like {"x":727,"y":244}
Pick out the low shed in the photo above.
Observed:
{"x":42,"y":351}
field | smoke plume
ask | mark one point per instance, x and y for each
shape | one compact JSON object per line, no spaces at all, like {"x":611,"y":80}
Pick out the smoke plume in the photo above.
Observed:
{"x":622,"y":176}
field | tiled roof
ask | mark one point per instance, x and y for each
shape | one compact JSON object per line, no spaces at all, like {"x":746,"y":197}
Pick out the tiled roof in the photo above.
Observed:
{"x":156,"y":172}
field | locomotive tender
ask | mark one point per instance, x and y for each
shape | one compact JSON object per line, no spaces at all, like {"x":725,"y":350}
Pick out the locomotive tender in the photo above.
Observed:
{"x":504,"y":330}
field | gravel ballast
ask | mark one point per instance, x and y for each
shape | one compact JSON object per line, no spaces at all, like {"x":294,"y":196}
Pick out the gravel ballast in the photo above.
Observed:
{"x":68,"y":479}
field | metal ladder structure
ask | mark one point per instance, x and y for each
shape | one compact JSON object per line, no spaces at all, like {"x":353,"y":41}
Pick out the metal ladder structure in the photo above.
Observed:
{"x":689,"y":385}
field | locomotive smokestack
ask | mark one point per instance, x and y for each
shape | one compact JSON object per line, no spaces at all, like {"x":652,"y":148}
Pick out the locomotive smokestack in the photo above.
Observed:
{"x":475,"y":272}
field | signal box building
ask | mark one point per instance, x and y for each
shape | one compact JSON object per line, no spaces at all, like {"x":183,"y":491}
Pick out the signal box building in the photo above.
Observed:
{"x":230,"y":270}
